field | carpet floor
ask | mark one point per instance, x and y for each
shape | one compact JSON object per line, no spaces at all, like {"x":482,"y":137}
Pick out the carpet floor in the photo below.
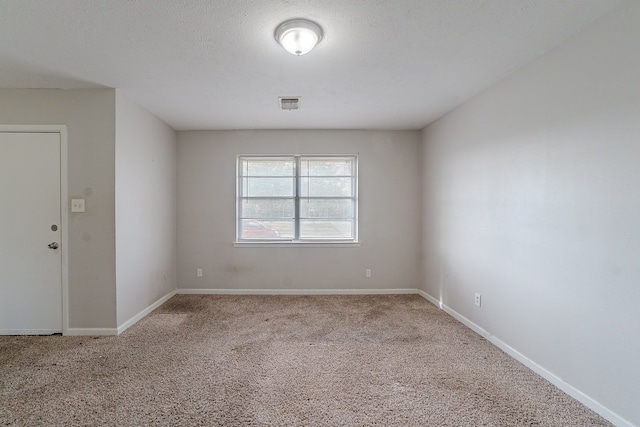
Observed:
{"x":279,"y":361}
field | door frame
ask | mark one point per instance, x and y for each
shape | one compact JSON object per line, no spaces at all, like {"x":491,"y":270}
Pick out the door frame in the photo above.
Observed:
{"x":64,"y":208}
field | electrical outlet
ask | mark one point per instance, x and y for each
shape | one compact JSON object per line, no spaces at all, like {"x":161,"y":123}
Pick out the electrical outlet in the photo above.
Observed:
{"x":199,"y":272}
{"x":367,"y":273}
{"x":478,"y":299}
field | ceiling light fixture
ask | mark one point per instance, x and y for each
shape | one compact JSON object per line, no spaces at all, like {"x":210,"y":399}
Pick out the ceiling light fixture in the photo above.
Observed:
{"x":298,"y":36}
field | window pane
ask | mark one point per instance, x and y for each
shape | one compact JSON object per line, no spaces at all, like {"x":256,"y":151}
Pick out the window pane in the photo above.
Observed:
{"x":271,"y":206}
{"x":268,"y":187}
{"x":326,"y":187}
{"x":267,"y":208}
{"x":327,"y":208}
{"x":268,"y":167}
{"x":266,"y":229}
{"x":326,"y":167}
{"x":322,"y":229}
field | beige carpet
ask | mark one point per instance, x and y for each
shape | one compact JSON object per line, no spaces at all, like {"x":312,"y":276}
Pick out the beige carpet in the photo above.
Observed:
{"x":279,"y":361}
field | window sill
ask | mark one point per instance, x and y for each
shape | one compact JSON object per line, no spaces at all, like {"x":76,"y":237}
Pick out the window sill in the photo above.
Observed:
{"x":290,"y":244}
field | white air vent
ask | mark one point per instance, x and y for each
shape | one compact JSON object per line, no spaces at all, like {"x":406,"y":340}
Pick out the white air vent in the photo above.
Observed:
{"x":289,"y":102}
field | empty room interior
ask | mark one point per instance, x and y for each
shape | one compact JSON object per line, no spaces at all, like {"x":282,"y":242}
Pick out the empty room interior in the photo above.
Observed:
{"x":285,"y":212}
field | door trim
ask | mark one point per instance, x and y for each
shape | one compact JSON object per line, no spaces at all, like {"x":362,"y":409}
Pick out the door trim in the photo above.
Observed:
{"x":64,"y":202}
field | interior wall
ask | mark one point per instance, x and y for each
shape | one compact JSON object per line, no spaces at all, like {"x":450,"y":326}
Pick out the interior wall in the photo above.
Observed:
{"x":389,"y":206}
{"x":145,"y":164}
{"x":90,"y":116}
{"x":531,"y":199}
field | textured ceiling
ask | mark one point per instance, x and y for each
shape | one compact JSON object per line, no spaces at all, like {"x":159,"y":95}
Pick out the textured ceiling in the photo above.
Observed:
{"x":214,"y":64}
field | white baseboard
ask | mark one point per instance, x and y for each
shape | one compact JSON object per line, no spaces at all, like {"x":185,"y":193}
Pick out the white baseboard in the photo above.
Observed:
{"x":296,"y":291}
{"x":429,"y":298}
{"x":587,"y":401}
{"x":93,"y":332}
{"x":29,"y":331}
{"x":135,"y":319}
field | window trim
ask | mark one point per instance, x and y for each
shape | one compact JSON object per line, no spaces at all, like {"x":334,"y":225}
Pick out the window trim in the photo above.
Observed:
{"x":296,"y":241}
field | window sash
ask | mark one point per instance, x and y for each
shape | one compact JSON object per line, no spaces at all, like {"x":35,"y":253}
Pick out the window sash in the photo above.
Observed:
{"x":340,"y":220}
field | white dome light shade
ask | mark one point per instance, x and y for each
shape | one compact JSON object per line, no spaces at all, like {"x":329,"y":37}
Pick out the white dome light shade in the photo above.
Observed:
{"x":298,"y":36}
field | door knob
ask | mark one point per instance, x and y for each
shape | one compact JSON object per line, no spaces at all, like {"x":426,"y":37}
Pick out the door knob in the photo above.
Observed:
{"x":53,"y":245}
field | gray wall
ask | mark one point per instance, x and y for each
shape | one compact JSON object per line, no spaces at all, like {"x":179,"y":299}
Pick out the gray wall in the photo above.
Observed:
{"x":390,"y":203}
{"x":90,"y":117}
{"x":531,"y":199}
{"x":145,"y":164}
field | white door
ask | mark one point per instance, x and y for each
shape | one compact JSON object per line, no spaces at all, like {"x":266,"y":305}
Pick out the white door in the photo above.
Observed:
{"x":30,"y":234}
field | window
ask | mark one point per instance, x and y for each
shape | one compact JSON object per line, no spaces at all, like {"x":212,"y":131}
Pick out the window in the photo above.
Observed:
{"x":297,"y":199}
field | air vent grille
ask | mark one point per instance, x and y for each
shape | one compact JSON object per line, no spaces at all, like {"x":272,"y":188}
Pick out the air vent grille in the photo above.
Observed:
{"x":289,"y":102}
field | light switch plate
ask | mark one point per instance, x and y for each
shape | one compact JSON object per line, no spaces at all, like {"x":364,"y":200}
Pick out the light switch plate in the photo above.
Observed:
{"x":77,"y":205}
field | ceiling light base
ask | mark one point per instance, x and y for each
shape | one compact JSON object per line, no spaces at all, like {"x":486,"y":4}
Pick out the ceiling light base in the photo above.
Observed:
{"x":298,"y":36}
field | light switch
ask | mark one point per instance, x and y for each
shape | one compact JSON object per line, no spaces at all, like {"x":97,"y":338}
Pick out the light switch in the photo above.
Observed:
{"x":77,"y":205}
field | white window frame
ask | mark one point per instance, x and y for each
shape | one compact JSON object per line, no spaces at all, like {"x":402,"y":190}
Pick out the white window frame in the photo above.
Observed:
{"x":296,"y":240}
